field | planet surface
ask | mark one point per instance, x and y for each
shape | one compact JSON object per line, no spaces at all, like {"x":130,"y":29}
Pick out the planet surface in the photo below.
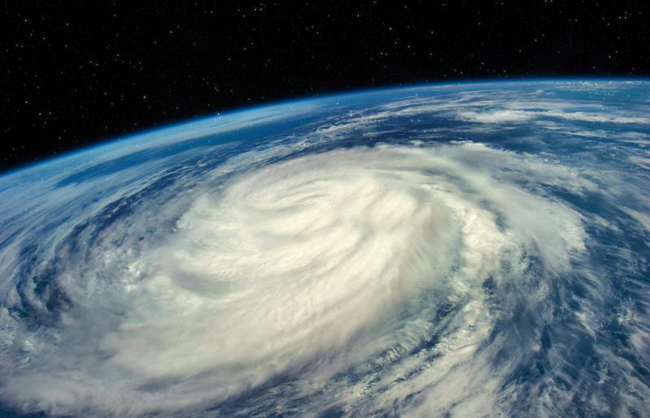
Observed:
{"x":466,"y":250}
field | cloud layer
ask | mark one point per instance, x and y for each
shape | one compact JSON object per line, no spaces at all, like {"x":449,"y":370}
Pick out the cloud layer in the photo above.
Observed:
{"x":308,"y":275}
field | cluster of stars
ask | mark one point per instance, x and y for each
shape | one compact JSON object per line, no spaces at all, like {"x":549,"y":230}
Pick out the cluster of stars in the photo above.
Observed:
{"x":74,"y":75}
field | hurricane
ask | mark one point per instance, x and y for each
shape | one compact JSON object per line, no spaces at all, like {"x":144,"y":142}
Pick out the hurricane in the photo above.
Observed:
{"x":472,"y":250}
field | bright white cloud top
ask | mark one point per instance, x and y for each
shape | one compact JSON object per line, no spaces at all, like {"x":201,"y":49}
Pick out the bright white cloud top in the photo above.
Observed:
{"x":469,"y":250}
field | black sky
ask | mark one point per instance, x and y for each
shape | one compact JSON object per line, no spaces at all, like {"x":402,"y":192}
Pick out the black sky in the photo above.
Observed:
{"x":77,"y":72}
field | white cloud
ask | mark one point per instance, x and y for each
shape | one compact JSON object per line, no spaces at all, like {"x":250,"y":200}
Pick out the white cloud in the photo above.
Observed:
{"x":497,"y":116}
{"x":357,"y":275}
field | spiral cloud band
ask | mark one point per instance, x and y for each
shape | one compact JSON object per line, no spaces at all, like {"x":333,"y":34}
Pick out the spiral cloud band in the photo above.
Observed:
{"x":319,"y":277}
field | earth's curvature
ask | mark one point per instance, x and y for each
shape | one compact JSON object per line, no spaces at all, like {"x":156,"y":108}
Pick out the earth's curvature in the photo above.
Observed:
{"x":472,"y":250}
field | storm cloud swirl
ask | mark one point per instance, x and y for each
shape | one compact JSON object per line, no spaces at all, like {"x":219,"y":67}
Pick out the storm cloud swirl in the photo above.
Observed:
{"x":313,"y":275}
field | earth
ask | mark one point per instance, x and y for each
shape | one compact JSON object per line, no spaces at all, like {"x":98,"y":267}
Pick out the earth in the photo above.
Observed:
{"x":466,"y":250}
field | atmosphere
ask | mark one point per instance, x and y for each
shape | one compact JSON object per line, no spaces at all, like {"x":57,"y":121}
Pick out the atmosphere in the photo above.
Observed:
{"x":76,"y":73}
